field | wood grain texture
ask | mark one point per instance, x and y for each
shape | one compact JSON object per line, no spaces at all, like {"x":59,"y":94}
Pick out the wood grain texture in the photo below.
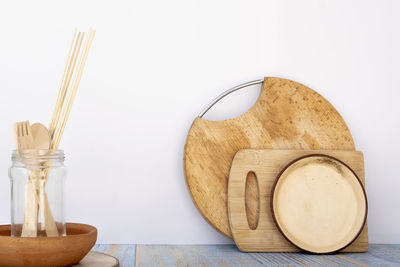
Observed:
{"x":287,"y":115}
{"x":43,"y":251}
{"x":41,"y":136}
{"x":267,"y":164}
{"x":192,"y":255}
{"x":319,"y":204}
{"x":229,"y":255}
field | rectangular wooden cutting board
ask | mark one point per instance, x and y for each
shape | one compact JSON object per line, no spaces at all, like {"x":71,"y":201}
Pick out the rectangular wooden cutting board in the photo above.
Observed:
{"x":267,"y":164}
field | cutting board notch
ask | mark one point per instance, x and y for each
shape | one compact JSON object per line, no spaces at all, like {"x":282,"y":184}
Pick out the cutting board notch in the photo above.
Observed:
{"x":266,"y":165}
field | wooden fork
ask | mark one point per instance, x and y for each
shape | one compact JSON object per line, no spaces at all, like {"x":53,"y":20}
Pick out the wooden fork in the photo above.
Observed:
{"x":24,"y":140}
{"x":23,"y":136}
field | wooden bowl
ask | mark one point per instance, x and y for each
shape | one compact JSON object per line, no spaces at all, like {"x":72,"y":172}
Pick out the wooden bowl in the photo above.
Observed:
{"x":47,"y":251}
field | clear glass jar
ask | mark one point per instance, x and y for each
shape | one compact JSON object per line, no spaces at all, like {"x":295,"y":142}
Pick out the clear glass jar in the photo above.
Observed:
{"x":37,"y":193}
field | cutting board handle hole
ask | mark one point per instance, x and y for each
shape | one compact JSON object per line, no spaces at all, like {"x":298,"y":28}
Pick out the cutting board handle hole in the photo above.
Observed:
{"x":252,"y":200}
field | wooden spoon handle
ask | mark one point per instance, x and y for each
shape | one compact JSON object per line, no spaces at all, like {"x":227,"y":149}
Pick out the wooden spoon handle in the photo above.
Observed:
{"x":47,"y":218}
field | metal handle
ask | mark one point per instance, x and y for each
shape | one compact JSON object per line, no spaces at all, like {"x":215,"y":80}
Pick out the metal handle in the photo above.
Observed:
{"x":227,"y":92}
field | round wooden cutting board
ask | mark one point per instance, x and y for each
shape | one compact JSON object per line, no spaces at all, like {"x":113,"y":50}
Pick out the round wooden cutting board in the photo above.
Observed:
{"x":318,"y":203}
{"x":287,"y":115}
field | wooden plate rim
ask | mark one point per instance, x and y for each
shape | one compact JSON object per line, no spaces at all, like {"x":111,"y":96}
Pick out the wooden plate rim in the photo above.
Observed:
{"x":272,"y":202}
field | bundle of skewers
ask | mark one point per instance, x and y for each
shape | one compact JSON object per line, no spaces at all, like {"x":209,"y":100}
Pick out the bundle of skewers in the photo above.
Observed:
{"x":36,"y":139}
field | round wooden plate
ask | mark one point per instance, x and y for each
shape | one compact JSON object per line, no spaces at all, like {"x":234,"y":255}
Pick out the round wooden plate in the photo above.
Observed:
{"x":287,"y":115}
{"x":98,"y":259}
{"x":319,"y":204}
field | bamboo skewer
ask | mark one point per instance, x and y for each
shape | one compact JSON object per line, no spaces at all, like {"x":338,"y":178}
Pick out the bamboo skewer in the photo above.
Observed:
{"x":72,"y":92}
{"x":60,"y":88}
{"x":48,"y":222}
{"x":71,"y":69}
{"x":65,"y":83}
{"x":60,"y":115}
{"x":73,"y":61}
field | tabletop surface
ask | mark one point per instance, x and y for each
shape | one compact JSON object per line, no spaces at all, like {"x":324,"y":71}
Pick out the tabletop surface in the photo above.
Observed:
{"x":229,"y":255}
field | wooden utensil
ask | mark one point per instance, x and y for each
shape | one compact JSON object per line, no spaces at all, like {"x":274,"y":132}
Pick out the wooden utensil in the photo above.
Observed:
{"x":287,"y":115}
{"x":24,"y":141}
{"x":266,"y":164}
{"x":41,"y":136}
{"x":319,"y":204}
{"x":23,"y":136}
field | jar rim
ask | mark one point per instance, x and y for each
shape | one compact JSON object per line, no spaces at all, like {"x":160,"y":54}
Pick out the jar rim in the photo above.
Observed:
{"x":38,"y":154}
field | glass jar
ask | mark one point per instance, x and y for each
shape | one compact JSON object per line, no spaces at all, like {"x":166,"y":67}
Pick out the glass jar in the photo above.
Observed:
{"x":37,"y":193}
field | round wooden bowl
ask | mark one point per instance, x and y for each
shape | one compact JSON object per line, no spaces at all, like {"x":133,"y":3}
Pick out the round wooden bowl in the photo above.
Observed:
{"x":319,"y":204}
{"x":47,"y":251}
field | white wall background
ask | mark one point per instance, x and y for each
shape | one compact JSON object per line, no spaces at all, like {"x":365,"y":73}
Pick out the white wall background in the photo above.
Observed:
{"x":154,"y":65}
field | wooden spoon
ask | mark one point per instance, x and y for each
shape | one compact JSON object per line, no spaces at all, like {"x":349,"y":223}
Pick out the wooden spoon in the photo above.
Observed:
{"x":41,"y":136}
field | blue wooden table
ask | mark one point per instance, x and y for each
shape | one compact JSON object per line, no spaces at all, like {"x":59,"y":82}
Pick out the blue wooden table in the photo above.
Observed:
{"x":229,"y":255}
